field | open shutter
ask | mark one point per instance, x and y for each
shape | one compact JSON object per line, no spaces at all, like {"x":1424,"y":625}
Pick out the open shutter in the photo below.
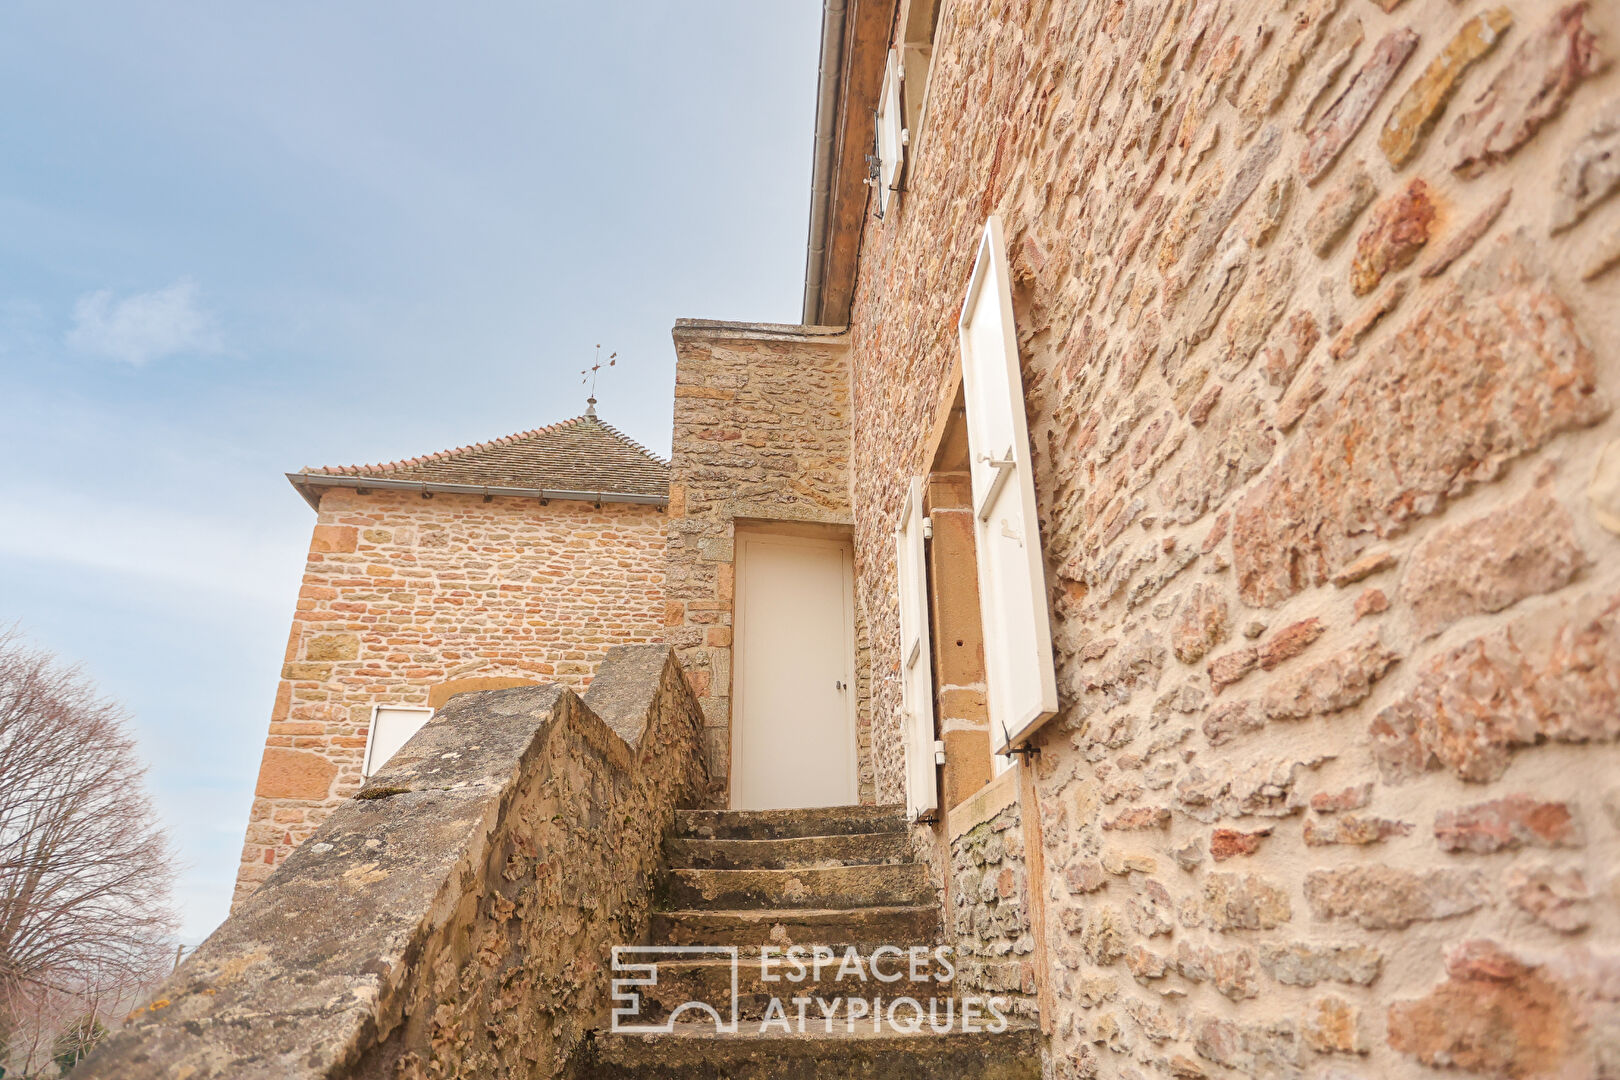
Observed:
{"x":891,"y":133}
{"x":1020,"y":683}
{"x":916,"y":663}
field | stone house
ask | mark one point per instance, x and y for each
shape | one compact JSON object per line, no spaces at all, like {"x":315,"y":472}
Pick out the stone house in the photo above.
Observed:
{"x":513,"y":562}
{"x":1192,"y":491}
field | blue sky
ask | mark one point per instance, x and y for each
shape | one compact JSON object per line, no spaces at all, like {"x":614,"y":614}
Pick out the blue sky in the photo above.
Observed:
{"x":243,"y":238}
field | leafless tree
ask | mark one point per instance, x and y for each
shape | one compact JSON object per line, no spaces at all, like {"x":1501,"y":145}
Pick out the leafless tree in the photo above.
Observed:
{"x":55,"y":1027}
{"x":85,"y":871}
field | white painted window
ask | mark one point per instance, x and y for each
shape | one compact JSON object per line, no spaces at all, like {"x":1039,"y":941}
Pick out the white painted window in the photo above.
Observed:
{"x":391,"y":728}
{"x":891,"y":134}
{"x":1021,"y":686}
{"x":916,"y":662}
{"x":919,"y":21}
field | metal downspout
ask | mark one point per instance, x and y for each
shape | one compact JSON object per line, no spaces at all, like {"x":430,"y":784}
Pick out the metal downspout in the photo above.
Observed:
{"x":815,"y":261}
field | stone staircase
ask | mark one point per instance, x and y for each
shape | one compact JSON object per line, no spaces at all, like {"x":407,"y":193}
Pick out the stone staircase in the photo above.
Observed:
{"x":834,"y":878}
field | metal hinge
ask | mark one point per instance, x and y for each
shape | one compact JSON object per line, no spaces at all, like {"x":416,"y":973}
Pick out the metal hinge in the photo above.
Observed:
{"x":928,"y":528}
{"x":939,"y":751}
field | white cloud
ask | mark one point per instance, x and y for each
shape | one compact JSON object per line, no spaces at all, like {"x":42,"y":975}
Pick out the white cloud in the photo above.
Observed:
{"x":143,"y":326}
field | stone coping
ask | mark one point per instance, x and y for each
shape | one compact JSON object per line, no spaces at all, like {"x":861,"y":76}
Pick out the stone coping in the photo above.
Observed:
{"x":315,"y":968}
{"x":984,"y":804}
{"x":721,"y":329}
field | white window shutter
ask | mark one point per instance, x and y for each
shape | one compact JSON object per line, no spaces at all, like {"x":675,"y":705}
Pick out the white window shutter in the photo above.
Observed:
{"x":391,"y":728}
{"x":890,"y":133}
{"x":916,"y":662}
{"x":1020,"y":683}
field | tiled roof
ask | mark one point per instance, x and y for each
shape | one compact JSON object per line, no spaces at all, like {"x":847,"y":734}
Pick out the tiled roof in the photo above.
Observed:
{"x":582,"y":454}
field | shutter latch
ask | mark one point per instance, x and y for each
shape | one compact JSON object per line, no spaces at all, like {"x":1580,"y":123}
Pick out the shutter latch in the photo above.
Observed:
{"x":1004,"y":469}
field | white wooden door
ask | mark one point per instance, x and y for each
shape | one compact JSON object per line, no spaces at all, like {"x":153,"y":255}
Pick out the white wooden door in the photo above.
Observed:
{"x":793,"y":735}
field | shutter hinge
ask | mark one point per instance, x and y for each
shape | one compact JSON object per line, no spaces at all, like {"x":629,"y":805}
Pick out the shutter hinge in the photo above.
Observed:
{"x":939,"y":751}
{"x":928,"y":528}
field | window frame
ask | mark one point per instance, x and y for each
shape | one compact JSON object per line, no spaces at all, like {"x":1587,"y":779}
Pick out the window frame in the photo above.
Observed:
{"x":366,"y":770}
{"x":888,"y":121}
{"x":919,"y":28}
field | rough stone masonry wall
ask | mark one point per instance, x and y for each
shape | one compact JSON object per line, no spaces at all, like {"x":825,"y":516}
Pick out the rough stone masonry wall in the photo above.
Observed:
{"x":988,"y":918}
{"x":1321,"y":340}
{"x":458,"y":917}
{"x":762,"y":432}
{"x":402,"y":594}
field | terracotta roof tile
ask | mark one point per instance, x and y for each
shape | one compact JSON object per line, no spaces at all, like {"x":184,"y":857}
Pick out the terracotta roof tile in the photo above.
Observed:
{"x":582,"y":454}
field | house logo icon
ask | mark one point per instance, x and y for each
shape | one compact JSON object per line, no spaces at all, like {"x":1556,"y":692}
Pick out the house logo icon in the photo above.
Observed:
{"x":636,"y":970}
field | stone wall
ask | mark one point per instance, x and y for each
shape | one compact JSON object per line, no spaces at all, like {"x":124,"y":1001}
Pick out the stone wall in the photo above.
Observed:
{"x":457,"y":917}
{"x":762,"y":427}
{"x":988,"y":920}
{"x":402,"y":595}
{"x":1320,"y":339}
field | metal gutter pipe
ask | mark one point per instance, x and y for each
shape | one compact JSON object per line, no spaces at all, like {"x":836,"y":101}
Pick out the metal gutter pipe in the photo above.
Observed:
{"x":301,"y":481}
{"x":815,"y":258}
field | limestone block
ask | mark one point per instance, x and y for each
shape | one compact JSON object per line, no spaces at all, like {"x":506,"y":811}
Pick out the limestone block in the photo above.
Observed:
{"x":1491,"y":562}
{"x":1472,"y":707}
{"x":334,"y":539}
{"x":1496,"y":1015}
{"x":1462,"y":354}
{"x":1513,"y":821}
{"x":1397,"y":230}
{"x":1306,"y":964}
{"x":1419,"y":109}
{"x":1531,"y":89}
{"x":1378,"y":897}
{"x":1339,"y":209}
{"x":1338,"y":125}
{"x":332,"y":647}
{"x":295,"y":774}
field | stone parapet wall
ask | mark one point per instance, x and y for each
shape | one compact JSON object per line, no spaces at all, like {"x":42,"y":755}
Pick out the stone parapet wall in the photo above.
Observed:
{"x":402,"y":595}
{"x":762,"y":428}
{"x":1320,"y":338}
{"x":457,"y":917}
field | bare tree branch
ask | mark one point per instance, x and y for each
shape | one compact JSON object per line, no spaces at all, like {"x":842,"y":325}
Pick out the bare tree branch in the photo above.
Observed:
{"x":85,"y":871}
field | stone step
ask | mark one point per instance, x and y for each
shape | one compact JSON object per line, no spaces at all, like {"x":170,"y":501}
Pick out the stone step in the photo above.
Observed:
{"x":785,"y":824}
{"x":682,"y":981}
{"x":902,"y":925}
{"x":695,"y":1052}
{"x":848,"y":849}
{"x":826,"y":887}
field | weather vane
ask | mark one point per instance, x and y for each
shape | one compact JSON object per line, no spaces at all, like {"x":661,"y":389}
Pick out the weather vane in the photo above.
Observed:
{"x":588,"y":375}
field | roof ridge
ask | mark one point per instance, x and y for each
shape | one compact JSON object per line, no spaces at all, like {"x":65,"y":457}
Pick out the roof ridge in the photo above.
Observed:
{"x":459,"y":451}
{"x":622,"y":437}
